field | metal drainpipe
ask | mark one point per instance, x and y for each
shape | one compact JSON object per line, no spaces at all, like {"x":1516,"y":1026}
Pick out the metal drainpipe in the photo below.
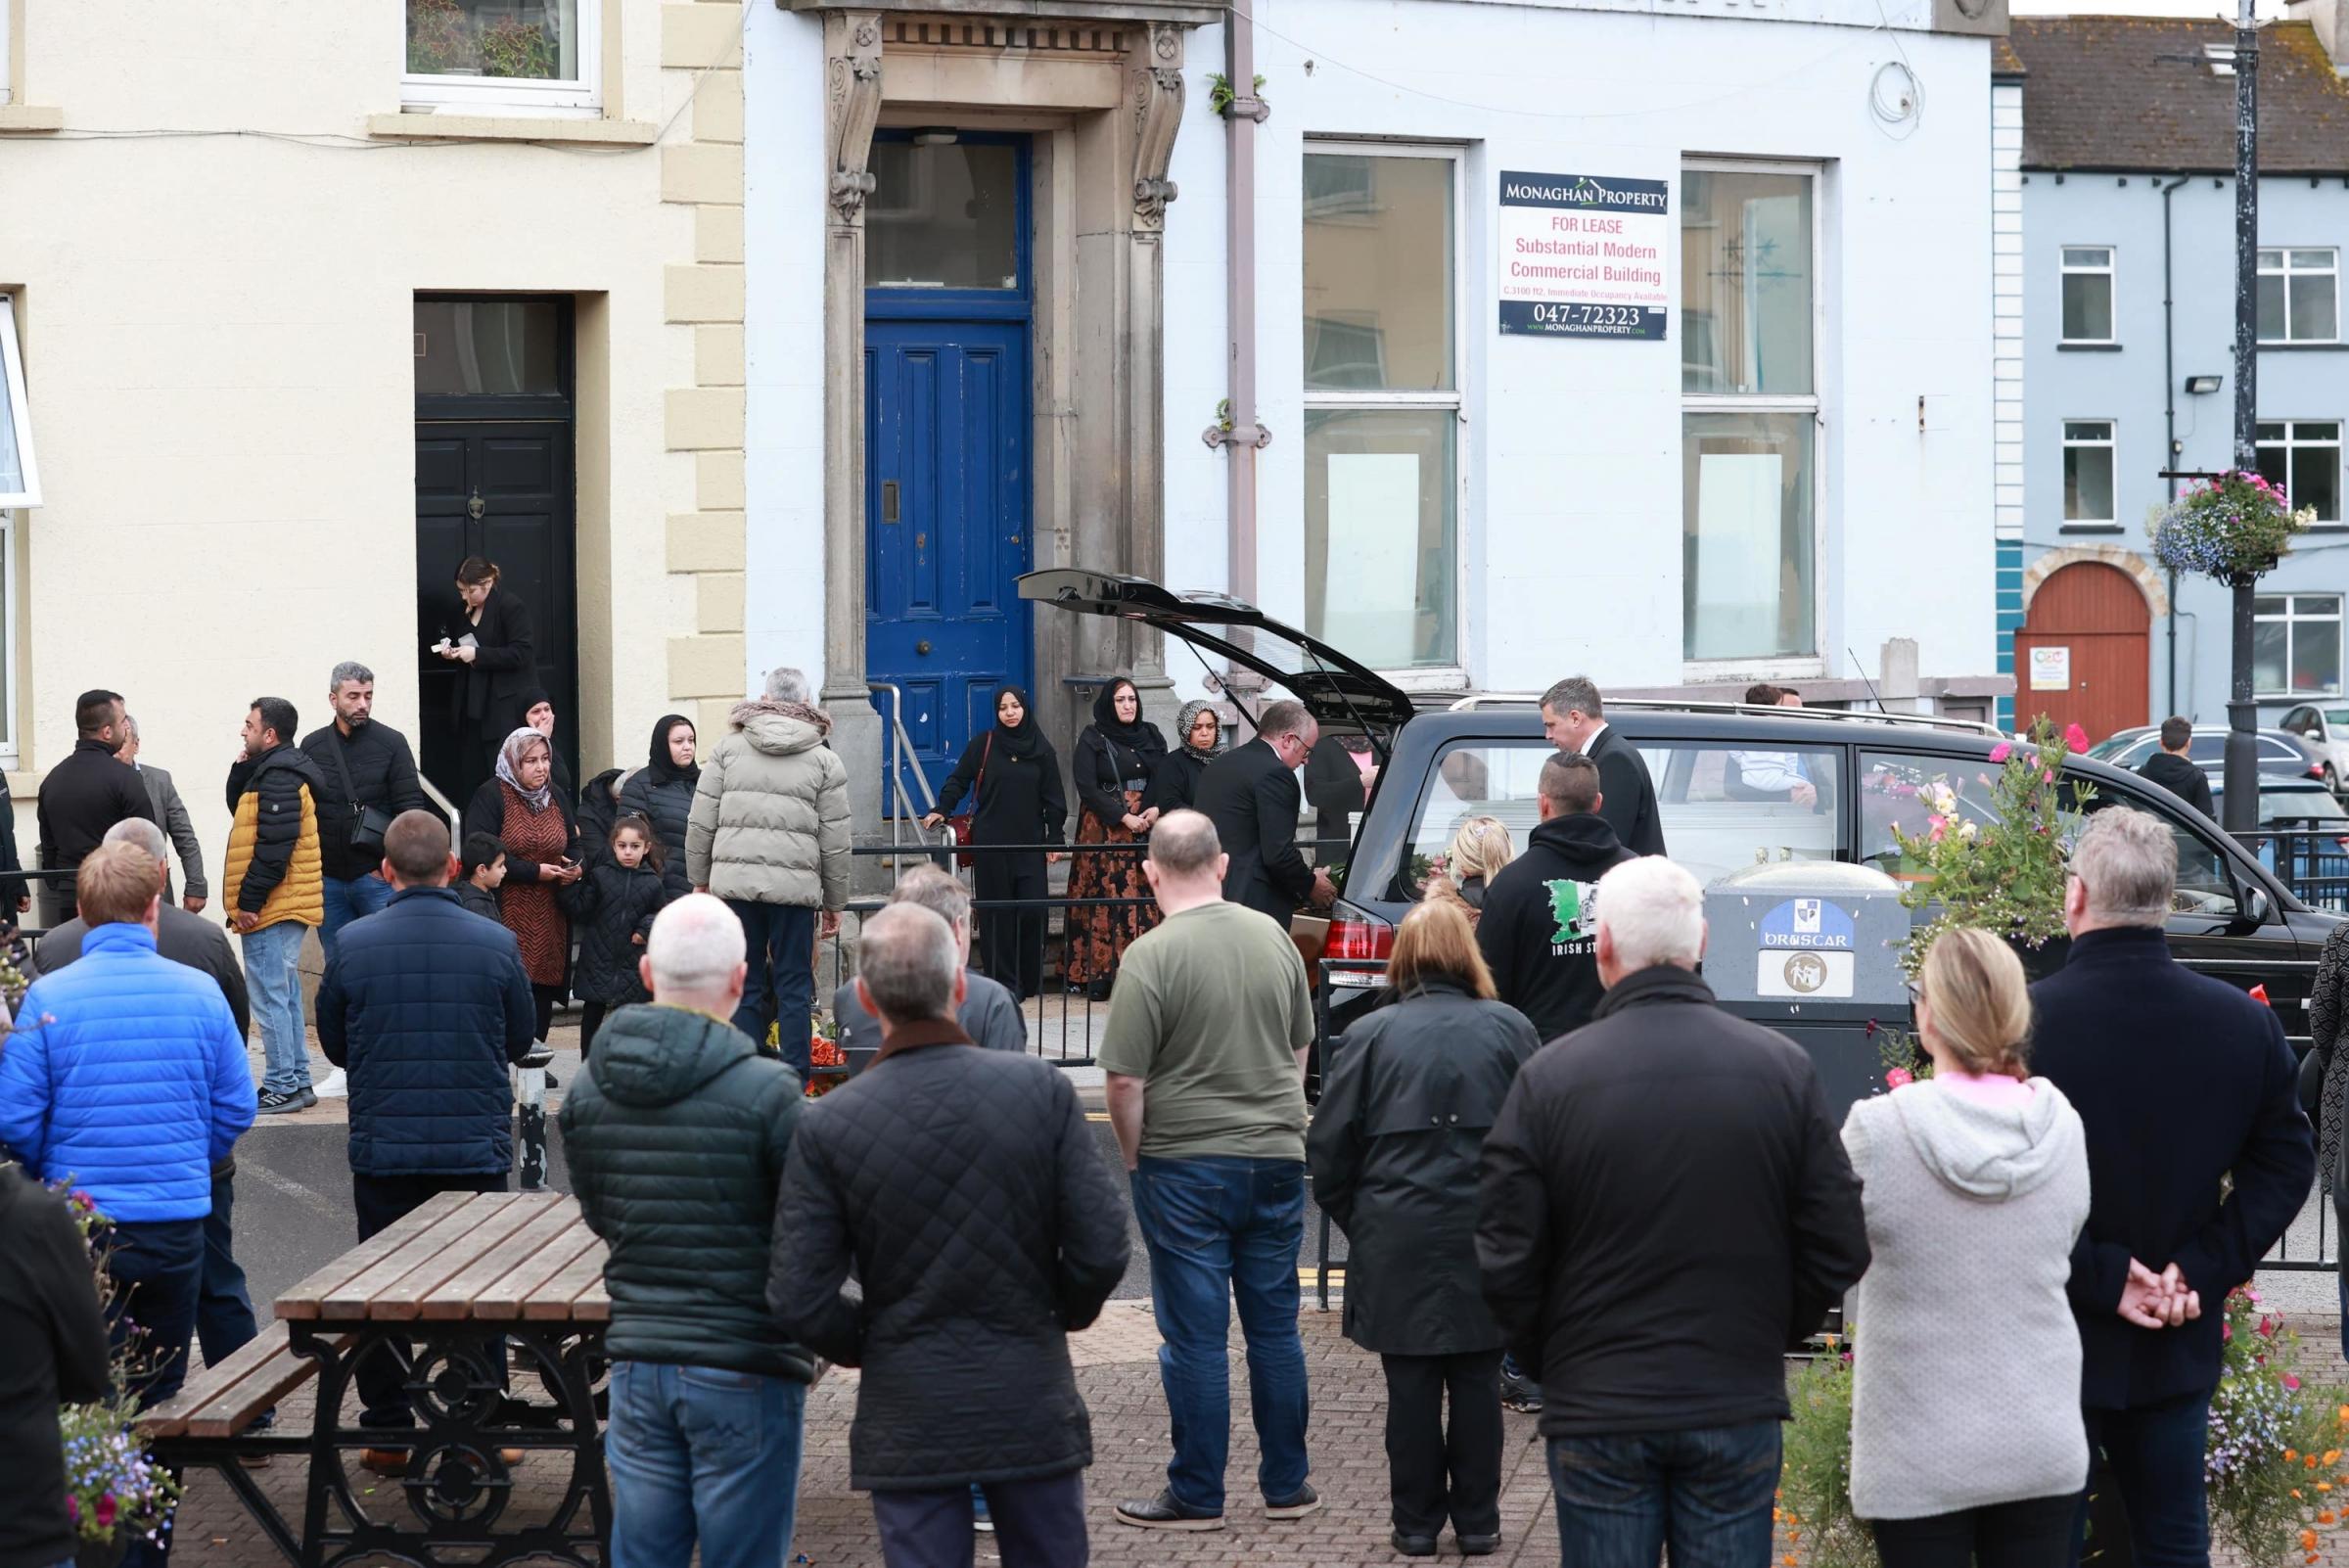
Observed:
{"x":1239,"y":435}
{"x":2169,"y":420}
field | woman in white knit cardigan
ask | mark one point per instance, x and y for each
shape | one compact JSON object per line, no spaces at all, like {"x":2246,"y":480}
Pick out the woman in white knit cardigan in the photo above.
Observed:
{"x":1966,"y":1437}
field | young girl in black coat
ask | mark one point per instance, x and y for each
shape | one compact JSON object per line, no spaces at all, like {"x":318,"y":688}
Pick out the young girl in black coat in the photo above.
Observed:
{"x":612,"y":908}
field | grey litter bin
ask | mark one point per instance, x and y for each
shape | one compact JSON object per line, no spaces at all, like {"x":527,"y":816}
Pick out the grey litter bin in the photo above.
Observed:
{"x":1812,"y":949}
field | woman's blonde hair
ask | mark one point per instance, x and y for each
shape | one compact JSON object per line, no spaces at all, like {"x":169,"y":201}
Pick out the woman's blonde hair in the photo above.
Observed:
{"x":1981,"y":1006}
{"x":1437,"y":942}
{"x":1480,"y":848}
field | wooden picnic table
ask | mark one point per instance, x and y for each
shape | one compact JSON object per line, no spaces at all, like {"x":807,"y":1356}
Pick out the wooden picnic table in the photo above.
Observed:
{"x":464,"y":1288}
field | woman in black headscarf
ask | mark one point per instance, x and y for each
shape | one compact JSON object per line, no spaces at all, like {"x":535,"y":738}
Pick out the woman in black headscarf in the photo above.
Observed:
{"x":661,"y":790}
{"x":1012,"y":775}
{"x":1198,"y":738}
{"x":1115,"y":757}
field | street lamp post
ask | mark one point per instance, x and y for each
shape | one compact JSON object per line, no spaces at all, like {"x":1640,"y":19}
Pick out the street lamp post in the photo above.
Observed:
{"x":2241,"y":809}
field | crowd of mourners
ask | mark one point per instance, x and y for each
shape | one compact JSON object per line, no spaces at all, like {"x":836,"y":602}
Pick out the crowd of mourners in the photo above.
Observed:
{"x":1570,"y":1181}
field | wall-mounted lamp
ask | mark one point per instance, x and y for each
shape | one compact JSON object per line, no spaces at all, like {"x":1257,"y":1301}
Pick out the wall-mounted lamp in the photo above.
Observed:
{"x":2203,"y":386}
{"x":937,"y":136}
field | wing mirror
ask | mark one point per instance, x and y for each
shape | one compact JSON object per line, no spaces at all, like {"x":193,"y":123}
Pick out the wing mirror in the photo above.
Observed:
{"x":2253,"y":906}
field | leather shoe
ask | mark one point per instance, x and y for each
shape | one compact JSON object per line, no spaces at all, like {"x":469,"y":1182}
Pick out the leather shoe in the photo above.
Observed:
{"x":385,"y":1461}
{"x":1479,"y":1545}
{"x":1414,"y":1546}
{"x":1163,"y":1512}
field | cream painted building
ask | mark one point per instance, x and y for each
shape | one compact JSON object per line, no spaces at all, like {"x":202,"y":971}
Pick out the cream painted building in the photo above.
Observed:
{"x":297,"y":310}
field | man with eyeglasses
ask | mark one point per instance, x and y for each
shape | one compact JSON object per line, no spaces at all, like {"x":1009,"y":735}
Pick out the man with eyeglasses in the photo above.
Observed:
{"x":1252,"y":796}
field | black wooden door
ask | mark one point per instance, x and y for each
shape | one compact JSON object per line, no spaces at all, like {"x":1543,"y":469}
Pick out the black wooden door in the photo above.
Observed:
{"x":502,"y":489}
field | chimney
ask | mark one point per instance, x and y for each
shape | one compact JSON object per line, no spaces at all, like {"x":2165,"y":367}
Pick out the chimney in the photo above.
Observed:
{"x":2325,"y":16}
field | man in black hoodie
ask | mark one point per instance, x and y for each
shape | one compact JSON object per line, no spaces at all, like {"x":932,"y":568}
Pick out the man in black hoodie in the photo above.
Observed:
{"x":2173,"y":770}
{"x":1539,"y":926}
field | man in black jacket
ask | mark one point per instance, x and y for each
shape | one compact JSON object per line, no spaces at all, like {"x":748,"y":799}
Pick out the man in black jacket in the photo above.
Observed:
{"x":2198,"y":1156}
{"x":2172,"y":768}
{"x":1575,"y":718}
{"x":365,"y":765}
{"x":1251,"y":794}
{"x":52,"y":1349}
{"x":965,"y":1187}
{"x":87,"y":793}
{"x":677,"y":1132}
{"x":426,"y":1007}
{"x":1539,"y":931}
{"x":1665,"y":1208}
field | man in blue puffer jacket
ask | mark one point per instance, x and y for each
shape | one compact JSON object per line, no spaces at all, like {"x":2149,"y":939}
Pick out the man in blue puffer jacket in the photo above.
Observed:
{"x":126,"y":1075}
{"x":424,"y":1004}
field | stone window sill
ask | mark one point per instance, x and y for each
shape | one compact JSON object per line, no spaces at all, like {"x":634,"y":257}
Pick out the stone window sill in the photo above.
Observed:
{"x":29,"y":119}
{"x":513,"y":129}
{"x":2088,"y":347}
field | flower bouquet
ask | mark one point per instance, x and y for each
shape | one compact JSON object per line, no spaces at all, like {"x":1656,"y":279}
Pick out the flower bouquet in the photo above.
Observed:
{"x":114,"y":1492}
{"x":2232,"y":527}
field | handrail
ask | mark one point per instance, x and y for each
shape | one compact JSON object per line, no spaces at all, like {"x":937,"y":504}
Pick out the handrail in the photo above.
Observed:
{"x":1675,"y":705}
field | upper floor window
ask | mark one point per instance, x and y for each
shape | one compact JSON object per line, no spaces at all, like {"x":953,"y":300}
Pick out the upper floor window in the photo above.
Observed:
{"x":2303,"y":456}
{"x":2087,"y":448}
{"x":505,"y":54}
{"x":2088,"y":275}
{"x":19,"y":476}
{"x":2296,"y":645}
{"x":2299,"y":295}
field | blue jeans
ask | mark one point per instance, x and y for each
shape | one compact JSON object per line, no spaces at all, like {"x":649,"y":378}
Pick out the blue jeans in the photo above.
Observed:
{"x":2155,"y":1454}
{"x":159,"y":1264}
{"x":347,"y":901}
{"x":1706,"y":1493}
{"x":1221,"y":1229}
{"x":273,"y":974}
{"x":696,"y":1451}
{"x":780,"y":940}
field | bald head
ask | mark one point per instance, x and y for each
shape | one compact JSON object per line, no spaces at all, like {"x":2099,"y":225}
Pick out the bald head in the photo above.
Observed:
{"x":694,"y":957}
{"x":137,"y":830}
{"x":908,"y":966}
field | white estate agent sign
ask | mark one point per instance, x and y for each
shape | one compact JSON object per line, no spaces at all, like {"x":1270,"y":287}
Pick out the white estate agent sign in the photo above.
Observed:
{"x":1583,"y":257}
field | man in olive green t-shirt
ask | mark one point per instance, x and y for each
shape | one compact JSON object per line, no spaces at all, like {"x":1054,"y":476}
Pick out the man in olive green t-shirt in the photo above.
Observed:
{"x":1205,"y":1056}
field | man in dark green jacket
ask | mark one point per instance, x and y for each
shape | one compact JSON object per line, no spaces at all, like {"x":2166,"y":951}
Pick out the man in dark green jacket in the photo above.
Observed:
{"x":677,"y":1133}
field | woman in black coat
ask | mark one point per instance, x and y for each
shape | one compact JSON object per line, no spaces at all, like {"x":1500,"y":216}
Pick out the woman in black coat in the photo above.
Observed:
{"x":1337,"y":785}
{"x":1409,"y":1094}
{"x":1116,"y":758}
{"x":1198,"y":738}
{"x":491,"y":641}
{"x":1012,"y":774}
{"x":661,"y":790}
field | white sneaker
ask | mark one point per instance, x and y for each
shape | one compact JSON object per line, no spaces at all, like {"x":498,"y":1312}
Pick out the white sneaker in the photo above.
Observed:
{"x":334,"y":1086}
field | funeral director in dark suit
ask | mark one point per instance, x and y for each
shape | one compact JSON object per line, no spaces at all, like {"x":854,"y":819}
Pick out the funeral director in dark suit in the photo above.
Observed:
{"x":1575,"y":720}
{"x":1252,"y":796}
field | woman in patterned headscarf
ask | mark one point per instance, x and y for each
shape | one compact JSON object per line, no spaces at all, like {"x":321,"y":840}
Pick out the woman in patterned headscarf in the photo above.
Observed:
{"x":1198,"y":737}
{"x":523,"y":811}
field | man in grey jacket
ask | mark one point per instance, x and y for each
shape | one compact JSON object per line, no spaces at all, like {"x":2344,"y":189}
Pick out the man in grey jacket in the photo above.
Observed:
{"x":172,"y":812}
{"x":768,"y":833}
{"x":988,"y":1013}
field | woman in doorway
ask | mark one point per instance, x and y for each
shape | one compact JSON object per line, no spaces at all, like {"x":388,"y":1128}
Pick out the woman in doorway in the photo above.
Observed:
{"x":1115,"y":757}
{"x":1199,"y":734}
{"x":498,"y":663}
{"x":1012,"y":775}
{"x":520,"y":809}
{"x":661,"y":790}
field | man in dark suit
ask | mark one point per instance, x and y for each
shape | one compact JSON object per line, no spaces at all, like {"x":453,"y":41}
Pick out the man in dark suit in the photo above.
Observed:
{"x":1251,"y":794}
{"x":1575,"y":718}
{"x":2181,"y":1081}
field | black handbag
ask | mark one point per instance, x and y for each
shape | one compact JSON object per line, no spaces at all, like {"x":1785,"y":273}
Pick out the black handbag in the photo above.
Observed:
{"x":368,"y":825}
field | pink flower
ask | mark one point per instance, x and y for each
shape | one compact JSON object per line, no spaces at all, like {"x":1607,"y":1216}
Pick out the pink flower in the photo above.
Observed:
{"x":1899,"y":1077}
{"x":2290,"y":1382}
{"x":2001,"y":751}
{"x":2047,"y":775}
{"x":2075,"y":738}
{"x":2225,"y":1330}
{"x":105,"y":1512}
{"x":73,"y":1508}
{"x":1940,"y":826}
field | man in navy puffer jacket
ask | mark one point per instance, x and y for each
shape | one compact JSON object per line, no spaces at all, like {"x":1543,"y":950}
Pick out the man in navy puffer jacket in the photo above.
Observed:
{"x":424,"y":1004}
{"x":128,"y":1074}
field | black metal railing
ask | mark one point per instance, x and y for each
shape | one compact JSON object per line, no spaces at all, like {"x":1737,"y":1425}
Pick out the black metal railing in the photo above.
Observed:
{"x":2309,"y":856}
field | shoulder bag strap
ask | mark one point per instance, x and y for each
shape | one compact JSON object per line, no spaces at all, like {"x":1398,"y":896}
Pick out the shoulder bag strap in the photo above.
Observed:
{"x":334,"y":748}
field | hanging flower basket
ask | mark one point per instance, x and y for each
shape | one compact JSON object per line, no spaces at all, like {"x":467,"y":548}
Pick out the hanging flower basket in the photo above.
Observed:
{"x":2232,"y":527}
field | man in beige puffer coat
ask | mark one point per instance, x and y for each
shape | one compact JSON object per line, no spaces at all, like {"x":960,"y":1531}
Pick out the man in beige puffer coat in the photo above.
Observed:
{"x":768,"y":833}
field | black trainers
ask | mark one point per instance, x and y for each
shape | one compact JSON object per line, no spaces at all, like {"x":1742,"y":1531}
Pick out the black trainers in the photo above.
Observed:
{"x":540,"y":1054}
{"x":1413,"y":1545}
{"x":1519,"y":1392}
{"x":1480,"y":1546}
{"x":1163,"y":1512}
{"x":270,"y":1102}
{"x":1304,"y":1501}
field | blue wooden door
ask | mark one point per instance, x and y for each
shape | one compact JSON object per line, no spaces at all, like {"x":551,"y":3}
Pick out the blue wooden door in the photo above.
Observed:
{"x":945,"y":510}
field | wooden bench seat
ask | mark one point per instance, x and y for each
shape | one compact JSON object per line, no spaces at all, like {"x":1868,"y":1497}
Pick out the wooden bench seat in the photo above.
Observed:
{"x":222,"y":1401}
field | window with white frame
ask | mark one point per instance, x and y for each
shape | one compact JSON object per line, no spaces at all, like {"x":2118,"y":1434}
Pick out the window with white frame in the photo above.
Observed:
{"x":2087,"y":448}
{"x":2302,"y":457}
{"x":1749,"y":413}
{"x":507,"y":54}
{"x":2087,"y":279}
{"x":20,"y":474}
{"x":1382,"y":403}
{"x":2296,"y":645}
{"x":2299,"y":295}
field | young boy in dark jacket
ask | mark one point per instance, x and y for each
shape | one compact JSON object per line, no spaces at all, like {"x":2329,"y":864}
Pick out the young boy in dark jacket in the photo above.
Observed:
{"x":484,"y":869}
{"x":1539,"y":925}
{"x":611,"y":909}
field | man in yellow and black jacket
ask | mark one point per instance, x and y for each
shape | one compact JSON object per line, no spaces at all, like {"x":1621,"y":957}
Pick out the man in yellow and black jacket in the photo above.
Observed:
{"x":274,"y":889}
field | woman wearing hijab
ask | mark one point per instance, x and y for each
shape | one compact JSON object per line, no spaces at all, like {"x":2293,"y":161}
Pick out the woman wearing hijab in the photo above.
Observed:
{"x":1012,"y":775}
{"x":1115,"y":757}
{"x":489,"y":643}
{"x":661,"y":790}
{"x":1199,"y":737}
{"x":536,"y":710}
{"x":520,"y":809}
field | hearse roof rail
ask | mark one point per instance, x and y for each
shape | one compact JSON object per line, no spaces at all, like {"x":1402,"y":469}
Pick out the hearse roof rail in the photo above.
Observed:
{"x":1678,"y":705}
